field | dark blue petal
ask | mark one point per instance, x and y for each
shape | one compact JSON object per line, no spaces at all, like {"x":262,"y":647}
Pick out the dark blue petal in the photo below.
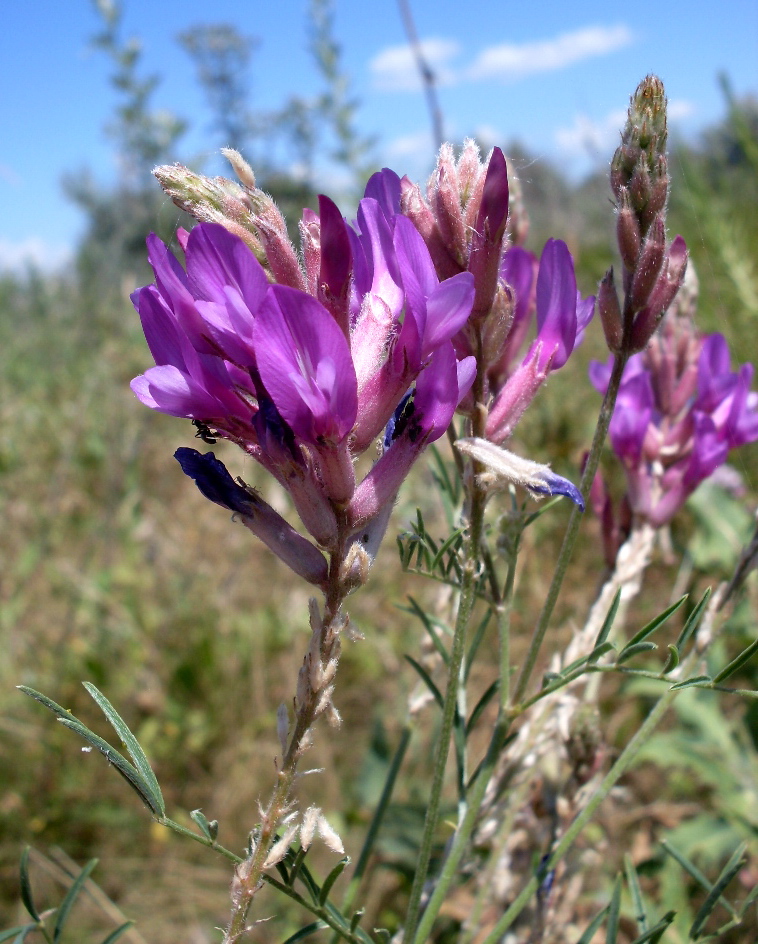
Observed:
{"x":557,"y":485}
{"x":214,"y":481}
{"x":399,"y":420}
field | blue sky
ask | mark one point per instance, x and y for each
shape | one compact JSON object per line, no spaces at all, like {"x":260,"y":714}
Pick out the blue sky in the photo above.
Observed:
{"x":556,"y":76}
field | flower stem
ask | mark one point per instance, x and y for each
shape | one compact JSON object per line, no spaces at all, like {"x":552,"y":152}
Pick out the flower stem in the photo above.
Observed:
{"x":593,"y":460}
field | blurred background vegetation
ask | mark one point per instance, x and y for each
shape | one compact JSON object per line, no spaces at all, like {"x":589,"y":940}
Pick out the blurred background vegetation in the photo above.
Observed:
{"x":115,"y":570}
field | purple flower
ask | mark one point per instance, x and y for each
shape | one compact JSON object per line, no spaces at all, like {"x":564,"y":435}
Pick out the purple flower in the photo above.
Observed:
{"x":561,"y":314}
{"x":305,"y":364}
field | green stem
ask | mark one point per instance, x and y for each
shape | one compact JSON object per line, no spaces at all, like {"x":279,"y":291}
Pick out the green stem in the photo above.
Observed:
{"x":623,"y":763}
{"x":465,"y":609}
{"x":476,"y":793}
{"x":377,"y":819}
{"x":593,"y":460}
{"x":463,"y":833}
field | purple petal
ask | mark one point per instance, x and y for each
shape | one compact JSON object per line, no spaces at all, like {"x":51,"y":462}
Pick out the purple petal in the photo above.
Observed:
{"x":336,"y":256}
{"x":384,"y":187}
{"x":414,"y":261}
{"x":376,"y":239}
{"x":159,"y":325}
{"x":493,"y":210}
{"x":217,"y":261}
{"x":557,"y":485}
{"x":305,"y":364}
{"x":447,"y":310}
{"x":170,"y":390}
{"x":556,"y":303}
{"x":631,"y":418}
{"x":214,"y":481}
{"x":517,"y":270}
{"x":436,"y":394}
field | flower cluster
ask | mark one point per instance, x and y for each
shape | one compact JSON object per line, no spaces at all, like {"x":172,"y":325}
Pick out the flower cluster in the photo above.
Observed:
{"x":303,"y":383}
{"x":463,"y":221}
{"x":377,"y":331}
{"x":679,"y":411}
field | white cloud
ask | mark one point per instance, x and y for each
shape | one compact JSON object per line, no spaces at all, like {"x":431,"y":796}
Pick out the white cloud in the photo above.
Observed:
{"x":588,"y":138}
{"x":34,"y":252}
{"x":678,"y":109}
{"x":513,"y":61}
{"x":395,"y":68}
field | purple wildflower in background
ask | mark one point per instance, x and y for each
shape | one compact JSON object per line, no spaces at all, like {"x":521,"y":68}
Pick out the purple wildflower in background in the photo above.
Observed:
{"x":679,"y":412}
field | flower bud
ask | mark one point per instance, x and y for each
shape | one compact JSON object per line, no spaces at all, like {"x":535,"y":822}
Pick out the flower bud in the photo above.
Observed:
{"x":649,"y":264}
{"x":413,"y":206}
{"x":445,"y":201}
{"x":627,"y":231}
{"x":662,"y":295}
{"x":610,"y":312}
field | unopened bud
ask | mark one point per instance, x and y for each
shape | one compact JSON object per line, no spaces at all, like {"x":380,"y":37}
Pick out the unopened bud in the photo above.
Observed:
{"x":649,"y":264}
{"x":413,"y":205}
{"x":469,"y":168}
{"x":627,"y":231}
{"x":241,"y":168}
{"x":640,"y":186}
{"x":662,"y":295}
{"x":610,"y":312}
{"x":497,"y":325}
{"x":445,"y":201}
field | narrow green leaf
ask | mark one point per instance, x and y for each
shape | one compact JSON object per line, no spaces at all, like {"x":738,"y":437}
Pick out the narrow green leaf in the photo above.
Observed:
{"x":122,"y":765}
{"x":131,"y":744}
{"x":427,"y":680}
{"x":693,"y":620}
{"x":599,"y":651}
{"x":481,"y":705}
{"x":24,"y":934}
{"x":383,"y":934}
{"x":68,"y":902}
{"x":115,"y":935}
{"x":592,"y":927}
{"x":198,"y":817}
{"x":751,"y":896}
{"x":306,"y":931}
{"x":697,"y":681}
{"x":355,"y":920}
{"x":445,"y":547}
{"x":331,"y":878}
{"x":614,"y":909}
{"x":737,"y":663}
{"x":673,"y":660}
{"x":362,"y":936}
{"x":608,"y":621}
{"x":629,"y":651}
{"x":476,"y":641}
{"x":635,"y":892}
{"x":429,"y":625}
{"x":47,"y":702}
{"x":656,"y":622}
{"x":655,"y":933}
{"x":692,"y":870}
{"x":26,"y":886}
{"x":732,"y":867}
{"x":20,"y":929}
{"x":530,"y":519}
